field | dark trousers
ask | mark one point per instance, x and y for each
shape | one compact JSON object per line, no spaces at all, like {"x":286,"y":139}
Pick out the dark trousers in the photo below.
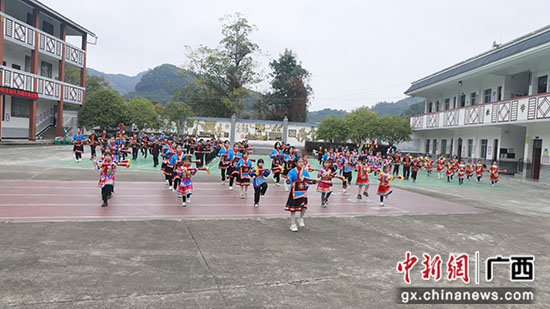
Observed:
{"x":413,"y":175}
{"x":223,"y":173}
{"x":396,"y":169}
{"x":134,"y":153}
{"x":325,"y":196}
{"x":406,"y":172}
{"x":92,"y":150}
{"x":106,"y":191}
{"x":277,"y":177}
{"x":155,"y":158}
{"x":347,"y":176}
{"x":259,"y":191}
{"x":200,"y":157}
{"x":176,"y":183}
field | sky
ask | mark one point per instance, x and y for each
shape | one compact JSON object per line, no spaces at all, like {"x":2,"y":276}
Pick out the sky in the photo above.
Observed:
{"x":358,"y":52}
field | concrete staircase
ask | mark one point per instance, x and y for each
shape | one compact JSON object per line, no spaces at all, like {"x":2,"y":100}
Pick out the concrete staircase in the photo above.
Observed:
{"x":48,"y":133}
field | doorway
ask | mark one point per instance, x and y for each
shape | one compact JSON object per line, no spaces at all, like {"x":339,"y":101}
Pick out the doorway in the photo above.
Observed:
{"x":537,"y":151}
{"x":459,"y":149}
{"x":495,"y":150}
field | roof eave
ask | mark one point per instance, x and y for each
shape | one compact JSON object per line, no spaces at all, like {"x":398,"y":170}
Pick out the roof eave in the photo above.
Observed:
{"x":61,"y":18}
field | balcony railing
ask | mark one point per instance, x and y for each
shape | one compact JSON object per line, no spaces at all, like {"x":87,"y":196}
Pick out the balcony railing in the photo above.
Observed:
{"x":46,"y":88}
{"x":27,"y":36}
{"x":517,"y":110}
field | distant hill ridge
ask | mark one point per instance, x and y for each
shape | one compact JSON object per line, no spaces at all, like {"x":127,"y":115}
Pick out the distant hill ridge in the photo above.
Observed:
{"x":158,"y":85}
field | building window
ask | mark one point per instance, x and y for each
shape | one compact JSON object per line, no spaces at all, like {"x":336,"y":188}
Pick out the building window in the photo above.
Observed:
{"x":454,"y":102}
{"x":473,"y":98}
{"x":483,"y":148}
{"x":29,"y":19}
{"x":20,"y":107}
{"x":27,"y":64}
{"x":443,"y":147}
{"x":470,"y":147}
{"x":463,"y":100}
{"x":46,"y":69}
{"x":451,"y":147}
{"x":47,"y":27}
{"x":434,"y":147}
{"x":16,"y":66}
{"x":486,"y":95}
{"x":427,"y":146}
{"x":437,"y":107}
{"x":543,"y":80}
{"x":447,"y":103}
{"x":499,"y":93}
{"x":430,"y":107}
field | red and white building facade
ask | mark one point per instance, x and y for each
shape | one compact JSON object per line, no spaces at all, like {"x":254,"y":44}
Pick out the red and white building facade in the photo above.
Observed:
{"x":35,"y":54}
{"x":493,"y":107}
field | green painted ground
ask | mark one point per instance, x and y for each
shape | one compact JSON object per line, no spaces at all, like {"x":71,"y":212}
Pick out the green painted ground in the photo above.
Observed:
{"x":422,"y":180}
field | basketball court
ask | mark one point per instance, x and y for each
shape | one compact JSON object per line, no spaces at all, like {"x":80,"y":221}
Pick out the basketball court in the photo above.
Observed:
{"x":58,"y":201}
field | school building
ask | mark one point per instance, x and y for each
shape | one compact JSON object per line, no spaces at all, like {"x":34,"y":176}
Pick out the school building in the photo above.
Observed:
{"x":35,"y":54}
{"x":494,"y":106}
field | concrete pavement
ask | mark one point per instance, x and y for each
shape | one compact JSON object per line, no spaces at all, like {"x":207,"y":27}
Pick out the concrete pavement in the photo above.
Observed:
{"x":332,"y":263}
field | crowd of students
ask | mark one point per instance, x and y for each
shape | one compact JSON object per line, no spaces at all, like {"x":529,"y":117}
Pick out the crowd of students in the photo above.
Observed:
{"x":288,"y":167}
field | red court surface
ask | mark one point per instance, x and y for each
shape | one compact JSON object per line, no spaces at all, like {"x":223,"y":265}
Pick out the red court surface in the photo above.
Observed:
{"x":50,"y":201}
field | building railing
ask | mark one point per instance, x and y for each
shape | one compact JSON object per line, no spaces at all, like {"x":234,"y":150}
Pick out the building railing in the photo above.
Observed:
{"x":26,"y":35}
{"x":46,"y":88}
{"x":517,"y":110}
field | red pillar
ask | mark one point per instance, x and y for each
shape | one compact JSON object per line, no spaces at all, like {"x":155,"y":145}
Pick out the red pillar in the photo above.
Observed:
{"x":34,"y":70}
{"x":83,"y":72}
{"x":2,"y":9}
{"x":59,"y":124}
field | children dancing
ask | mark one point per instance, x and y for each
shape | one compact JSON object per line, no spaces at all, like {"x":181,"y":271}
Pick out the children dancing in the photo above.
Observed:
{"x":260,"y":184}
{"x":297,"y":198}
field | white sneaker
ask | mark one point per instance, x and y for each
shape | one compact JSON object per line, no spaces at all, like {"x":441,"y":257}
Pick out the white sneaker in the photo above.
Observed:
{"x":277,"y":184}
{"x":166,"y":182}
{"x":256,"y":205}
{"x":170,"y":188}
{"x":262,"y":196}
{"x":223,"y":182}
{"x":246,"y":194}
{"x":188,"y":199}
{"x":183,"y":204}
{"x":344,"y":190}
{"x":230,"y":188}
{"x":293,"y":228}
{"x":381,"y":204}
{"x":301,"y":222}
{"x":242,"y":195}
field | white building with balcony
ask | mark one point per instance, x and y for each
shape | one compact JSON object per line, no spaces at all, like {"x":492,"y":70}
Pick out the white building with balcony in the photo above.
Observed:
{"x":34,"y":54}
{"x":494,"y":106}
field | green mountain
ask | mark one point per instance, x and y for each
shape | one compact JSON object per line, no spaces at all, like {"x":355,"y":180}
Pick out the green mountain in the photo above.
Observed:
{"x":317,"y":116}
{"x":408,"y":106}
{"x":158,"y":84}
{"x":400,"y":107}
{"x":120,"y":82}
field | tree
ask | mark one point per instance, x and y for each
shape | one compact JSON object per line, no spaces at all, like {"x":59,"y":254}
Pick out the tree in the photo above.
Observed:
{"x":290,"y":94}
{"x":333,"y":129}
{"x":363,"y":124}
{"x":142,"y":112}
{"x":159,"y":108}
{"x":96,"y":83}
{"x":394,"y":129}
{"x":177,"y":112}
{"x":222,"y":73}
{"x":103,"y":108}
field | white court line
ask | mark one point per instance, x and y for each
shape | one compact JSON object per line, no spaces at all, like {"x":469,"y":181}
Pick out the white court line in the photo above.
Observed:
{"x":178,"y":204}
{"x":281,"y":214}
